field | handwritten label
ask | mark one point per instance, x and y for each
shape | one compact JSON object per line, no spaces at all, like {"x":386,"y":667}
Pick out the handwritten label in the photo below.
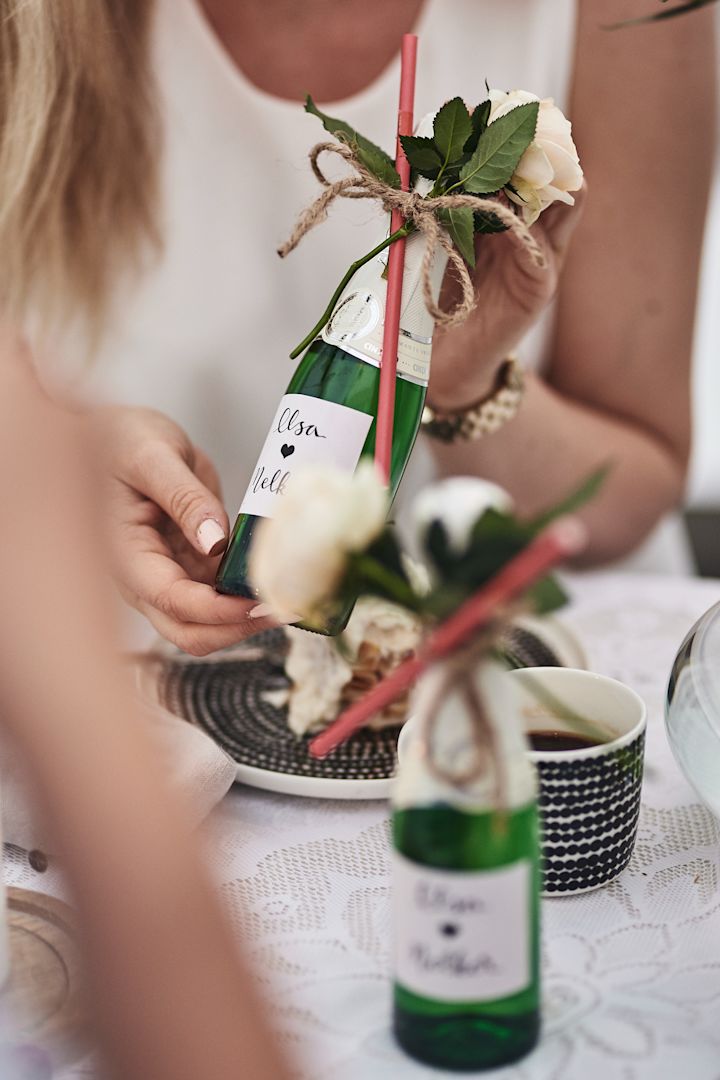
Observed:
{"x":305,"y":431}
{"x":462,"y":935}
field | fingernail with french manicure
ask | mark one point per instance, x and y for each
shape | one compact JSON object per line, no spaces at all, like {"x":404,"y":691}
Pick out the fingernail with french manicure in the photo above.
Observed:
{"x":264,"y":611}
{"x":211,"y":537}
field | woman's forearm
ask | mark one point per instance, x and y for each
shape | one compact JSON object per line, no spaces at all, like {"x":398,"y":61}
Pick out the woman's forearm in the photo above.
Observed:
{"x":554,"y":443}
{"x":171,"y":999}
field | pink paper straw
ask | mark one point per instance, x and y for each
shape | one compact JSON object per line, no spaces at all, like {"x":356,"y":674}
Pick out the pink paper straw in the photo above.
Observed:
{"x":396,"y":265}
{"x":557,"y":543}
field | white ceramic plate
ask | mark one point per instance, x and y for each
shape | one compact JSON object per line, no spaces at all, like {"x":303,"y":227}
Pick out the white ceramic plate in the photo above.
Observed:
{"x":314,"y":787}
{"x":558,"y":636}
{"x":234,"y":706}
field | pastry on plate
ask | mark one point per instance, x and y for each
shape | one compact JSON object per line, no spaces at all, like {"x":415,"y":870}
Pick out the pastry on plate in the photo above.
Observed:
{"x":328,"y":674}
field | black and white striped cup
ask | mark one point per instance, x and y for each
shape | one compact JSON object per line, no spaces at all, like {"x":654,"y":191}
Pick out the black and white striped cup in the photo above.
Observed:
{"x":589,"y":798}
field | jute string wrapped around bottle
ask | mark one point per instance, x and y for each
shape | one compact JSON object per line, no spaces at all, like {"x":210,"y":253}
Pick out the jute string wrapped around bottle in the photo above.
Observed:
{"x":417,"y":210}
{"x":458,"y":677}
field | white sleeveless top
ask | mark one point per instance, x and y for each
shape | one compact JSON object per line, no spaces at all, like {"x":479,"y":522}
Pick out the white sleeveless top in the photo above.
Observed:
{"x":204,"y":334}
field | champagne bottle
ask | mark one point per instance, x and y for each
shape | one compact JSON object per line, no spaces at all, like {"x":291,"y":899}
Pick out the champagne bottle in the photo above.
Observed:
{"x":328,"y":415}
{"x":466,"y":882}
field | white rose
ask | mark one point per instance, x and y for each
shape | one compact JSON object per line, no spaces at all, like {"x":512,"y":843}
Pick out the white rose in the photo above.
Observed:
{"x":550,"y":168}
{"x":458,"y":503}
{"x":299,"y":556}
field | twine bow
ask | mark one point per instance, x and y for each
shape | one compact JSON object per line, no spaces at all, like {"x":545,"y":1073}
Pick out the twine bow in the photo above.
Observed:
{"x":458,"y":677}
{"x":417,"y":211}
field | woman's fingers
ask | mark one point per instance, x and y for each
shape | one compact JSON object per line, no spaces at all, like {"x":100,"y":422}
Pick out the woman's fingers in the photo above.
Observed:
{"x":206,"y":471}
{"x":161,"y":473}
{"x":560,"y":221}
{"x":192,"y":601}
{"x":167,"y":524}
{"x":553,"y":231}
{"x":150,"y":571}
{"x":188,"y":613}
{"x":199,"y":640}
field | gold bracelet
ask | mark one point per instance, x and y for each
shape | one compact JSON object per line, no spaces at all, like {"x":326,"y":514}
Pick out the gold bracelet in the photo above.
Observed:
{"x":484,"y":417}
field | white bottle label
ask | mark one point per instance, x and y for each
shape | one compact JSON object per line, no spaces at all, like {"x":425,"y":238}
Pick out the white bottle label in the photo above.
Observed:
{"x":462,"y":935}
{"x":305,"y":431}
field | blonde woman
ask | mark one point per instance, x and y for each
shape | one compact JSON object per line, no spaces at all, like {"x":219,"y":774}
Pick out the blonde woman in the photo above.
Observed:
{"x":169,"y":996}
{"x":153,"y":153}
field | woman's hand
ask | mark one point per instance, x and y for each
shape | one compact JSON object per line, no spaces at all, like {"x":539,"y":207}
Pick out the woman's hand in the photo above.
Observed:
{"x":511,"y":294}
{"x":167,"y":529}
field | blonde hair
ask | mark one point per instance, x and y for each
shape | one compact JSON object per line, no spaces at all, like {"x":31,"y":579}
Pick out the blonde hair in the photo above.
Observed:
{"x":78,"y":153}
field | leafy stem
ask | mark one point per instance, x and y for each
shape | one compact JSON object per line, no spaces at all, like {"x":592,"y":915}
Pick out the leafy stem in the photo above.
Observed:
{"x":403,"y":231}
{"x":453,"y":187}
{"x":485,"y":155}
{"x":680,"y":9}
{"x":437,"y":188}
{"x":559,"y":709}
{"x":392,"y":586}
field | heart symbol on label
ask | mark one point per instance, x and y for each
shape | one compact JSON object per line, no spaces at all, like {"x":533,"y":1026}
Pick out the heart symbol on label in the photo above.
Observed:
{"x":286,"y":450}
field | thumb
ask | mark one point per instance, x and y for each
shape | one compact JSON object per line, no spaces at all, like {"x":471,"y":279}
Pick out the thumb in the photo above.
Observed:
{"x":560,"y":221}
{"x":163,"y":475}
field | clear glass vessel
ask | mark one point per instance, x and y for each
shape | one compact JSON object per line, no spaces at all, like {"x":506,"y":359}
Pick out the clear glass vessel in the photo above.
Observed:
{"x":692,"y":708}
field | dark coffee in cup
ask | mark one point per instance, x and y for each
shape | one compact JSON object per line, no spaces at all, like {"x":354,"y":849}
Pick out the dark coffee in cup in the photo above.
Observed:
{"x":552,"y":741}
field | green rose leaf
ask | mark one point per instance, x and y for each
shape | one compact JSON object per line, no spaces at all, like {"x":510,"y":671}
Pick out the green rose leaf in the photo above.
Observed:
{"x":574,"y":501}
{"x":451,"y":129}
{"x":499,"y":150}
{"x":379,"y":571}
{"x":451,"y":175}
{"x":438,"y":549}
{"x":386,"y":549}
{"x":479,"y":121}
{"x":679,"y":9}
{"x":485,"y":221}
{"x":459,"y":223}
{"x":494,"y":539}
{"x":546,"y":595}
{"x":494,"y":524}
{"x":422,"y":155}
{"x":373,"y":158}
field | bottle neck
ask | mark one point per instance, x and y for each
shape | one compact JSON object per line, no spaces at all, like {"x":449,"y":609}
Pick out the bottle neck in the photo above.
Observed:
{"x":445,"y":746}
{"x":357,"y":322}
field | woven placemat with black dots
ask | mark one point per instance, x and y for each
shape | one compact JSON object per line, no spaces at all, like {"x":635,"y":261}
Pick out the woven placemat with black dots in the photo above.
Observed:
{"x":236,"y":702}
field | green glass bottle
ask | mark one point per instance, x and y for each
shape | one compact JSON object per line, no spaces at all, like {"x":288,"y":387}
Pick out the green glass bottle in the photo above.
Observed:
{"x":328,"y":414}
{"x":466,"y":886}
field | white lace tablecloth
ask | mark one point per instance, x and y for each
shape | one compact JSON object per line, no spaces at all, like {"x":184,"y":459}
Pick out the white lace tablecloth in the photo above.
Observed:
{"x":631,"y":972}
